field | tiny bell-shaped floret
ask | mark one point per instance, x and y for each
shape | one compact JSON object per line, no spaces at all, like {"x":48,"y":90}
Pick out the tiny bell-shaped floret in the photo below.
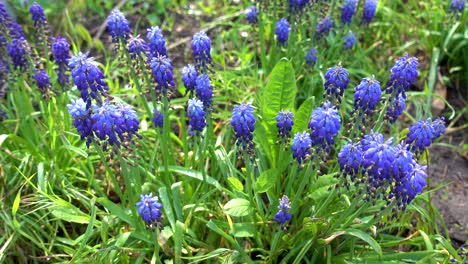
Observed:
{"x":301,"y":146}
{"x":243,"y":121}
{"x":283,"y":215}
{"x":150,"y":209}
{"x":118,"y":26}
{"x":196,"y":116}
{"x":156,"y":42}
{"x":282,"y":31}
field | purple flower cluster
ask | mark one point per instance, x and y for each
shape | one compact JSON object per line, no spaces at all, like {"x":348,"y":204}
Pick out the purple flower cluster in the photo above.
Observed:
{"x":150,"y":209}
{"x":119,"y":27}
{"x":196,"y":116}
{"x":61,"y":54}
{"x":162,"y":71}
{"x":283,"y":215}
{"x":301,"y":146}
{"x":367,"y":95}
{"x":368,"y":13}
{"x":243,"y":121}
{"x":18,"y":51}
{"x":323,"y":27}
{"x":336,"y":81}
{"x":282,"y":31}
{"x":325,"y":123}
{"x":311,"y":57}
{"x":158,"y":118}
{"x":201,"y":48}
{"x":189,"y":77}
{"x":252,"y":14}
{"x":424,"y":132}
{"x":284,"y":123}
{"x":396,"y":108}
{"x":403,"y":74}
{"x":204,"y":90}
{"x":297,"y":6}
{"x":42,"y":81}
{"x":457,"y":6}
{"x":349,"y":41}
{"x":137,"y":47}
{"x":347,"y":11}
{"x":38,"y":15}
{"x":156,"y":42}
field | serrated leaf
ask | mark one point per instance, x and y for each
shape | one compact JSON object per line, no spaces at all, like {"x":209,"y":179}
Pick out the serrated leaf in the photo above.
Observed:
{"x":238,"y":207}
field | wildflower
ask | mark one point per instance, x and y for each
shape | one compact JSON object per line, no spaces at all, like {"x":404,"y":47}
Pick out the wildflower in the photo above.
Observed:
{"x":457,"y":6}
{"x":162,"y":71}
{"x":284,"y":123}
{"x":252,"y":14}
{"x":42,"y":80}
{"x":150,"y":209}
{"x":4,"y":16}
{"x":61,"y":53}
{"x":413,"y":185}
{"x":371,"y":140}
{"x":242,"y":122}
{"x":403,"y":162}
{"x":349,"y":41}
{"x":127,"y":123}
{"x":367,"y":95}
{"x":369,"y":10}
{"x":88,"y":78}
{"x":156,"y":42}
{"x":15,"y":31}
{"x":311,"y":57}
{"x":18,"y":51}
{"x":282,"y":31}
{"x":396,"y":108}
{"x":423,"y":132}
{"x":204,"y":90}
{"x":119,"y":27}
{"x":297,"y":6}
{"x":137,"y":47}
{"x":403,"y":74}
{"x":325,"y":124}
{"x":104,"y":119}
{"x":81,"y":119}
{"x":201,"y":48}
{"x":158,"y":118}
{"x":196,"y":116}
{"x":350,"y":158}
{"x":323,"y":27}
{"x":189,"y":77}
{"x":301,"y":146}
{"x":439,"y":127}
{"x":336,"y":81}
{"x":378,"y":161}
{"x":347,"y":11}
{"x":38,"y":15}
{"x":283,"y":215}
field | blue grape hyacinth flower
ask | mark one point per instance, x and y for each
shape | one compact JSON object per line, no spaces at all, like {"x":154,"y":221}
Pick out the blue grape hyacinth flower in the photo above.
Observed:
{"x":367,"y":95}
{"x":204,"y":90}
{"x":323,"y":27}
{"x":396,"y":108}
{"x":439,"y":127}
{"x":403,"y":74}
{"x":61,"y":54}
{"x":311,"y":57}
{"x":325,"y":123}
{"x":301,"y":146}
{"x":283,"y":215}
{"x":81,"y":119}
{"x":88,"y":78}
{"x":158,"y":118}
{"x":349,"y":41}
{"x":406,"y":190}
{"x":423,"y":133}
{"x":350,"y":159}
{"x":252,"y":14}
{"x":18,"y":51}
{"x":336,"y":81}
{"x":189,"y":77}
{"x":201,"y":48}
{"x":162,"y":71}
{"x":368,"y":13}
{"x":347,"y":11}
{"x":457,"y":6}
{"x":137,"y":47}
{"x":282,"y":31}
{"x":243,"y":121}
{"x":42,"y":80}
{"x":127,"y":123}
{"x":119,"y":27}
{"x":38,"y":15}
{"x":284,"y":123}
{"x":378,"y":161}
{"x":297,"y":6}
{"x":150,"y":209}
{"x":156,"y":42}
{"x":196,"y":116}
{"x":403,"y":163}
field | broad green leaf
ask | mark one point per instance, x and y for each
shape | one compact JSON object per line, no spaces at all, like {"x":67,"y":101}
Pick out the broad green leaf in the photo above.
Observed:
{"x":236,"y":184}
{"x":266,"y":180}
{"x":238,"y":207}
{"x":302,"y":115}
{"x":70,"y":214}
{"x":193,"y":174}
{"x":365,"y":237}
{"x":243,"y":230}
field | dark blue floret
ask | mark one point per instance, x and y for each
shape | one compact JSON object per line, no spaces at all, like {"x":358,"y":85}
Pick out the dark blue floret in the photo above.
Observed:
{"x":4,"y":16}
{"x":349,"y":41}
{"x":378,"y":161}
{"x":61,"y":53}
{"x":88,"y":78}
{"x":42,"y":80}
{"x":301,"y":146}
{"x":297,"y":6}
{"x":242,"y":122}
{"x":119,"y":27}
{"x":104,"y":122}
{"x":127,"y":123}
{"x":137,"y":47}
{"x":81,"y":119}
{"x":196,"y":116}
{"x":350,"y":159}
{"x":311,"y":57}
{"x":201,"y":48}
{"x":403,"y":74}
{"x":336,"y":81}
{"x":325,"y":124}
{"x":371,"y":140}
{"x":423,"y":133}
{"x":283,"y":215}
{"x":396,"y":108}
{"x":204,"y":90}
{"x":156,"y":42}
{"x":367,"y":95}
{"x":252,"y":14}
{"x":282,"y":31}
{"x":18,"y":51}
{"x":284,"y":123}
{"x":403,"y":164}
{"x":150,"y":209}
{"x":406,"y":190}
{"x":368,"y":13}
{"x":439,"y":127}
{"x":38,"y":15}
{"x":189,"y":77}
{"x":158,"y":118}
{"x":348,"y":11}
{"x":457,"y":6}
{"x":162,"y":70}
{"x":323,"y":27}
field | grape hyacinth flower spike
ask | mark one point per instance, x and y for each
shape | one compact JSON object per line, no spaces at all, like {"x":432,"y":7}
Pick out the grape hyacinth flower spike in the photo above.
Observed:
{"x":367,"y":96}
{"x":42,"y":81}
{"x":158,"y":118}
{"x":323,"y":27}
{"x":18,"y":51}
{"x":162,"y":71}
{"x":350,"y":159}
{"x":156,"y":42}
{"x":423,"y":133}
{"x":311,"y":57}
{"x":61,"y":53}
{"x":301,"y":146}
{"x":284,"y":123}
{"x":368,"y":13}
{"x":137,"y":47}
{"x":347,"y":11}
{"x":204,"y":90}
{"x":325,"y":123}
{"x":118,"y":26}
{"x":81,"y":119}
{"x":403,"y":74}
{"x":457,"y":6}
{"x":243,"y":121}
{"x":252,"y":15}
{"x":283,"y":215}
{"x":336,"y":81}
{"x":201,"y":48}
{"x":150,"y":209}
{"x":88,"y":78}
{"x":396,"y":108}
{"x":282,"y":31}
{"x":189,"y":78}
{"x":196,"y":116}
{"x":349,"y":41}
{"x":41,"y":27}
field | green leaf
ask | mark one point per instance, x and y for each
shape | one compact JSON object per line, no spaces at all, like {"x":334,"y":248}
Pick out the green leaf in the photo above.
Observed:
{"x":116,"y":210}
{"x":266,"y":180}
{"x":70,"y":214}
{"x":365,"y":237}
{"x":302,"y":115}
{"x":236,"y":184}
{"x":243,"y":230}
{"x":238,"y":207}
{"x":192,"y":174}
